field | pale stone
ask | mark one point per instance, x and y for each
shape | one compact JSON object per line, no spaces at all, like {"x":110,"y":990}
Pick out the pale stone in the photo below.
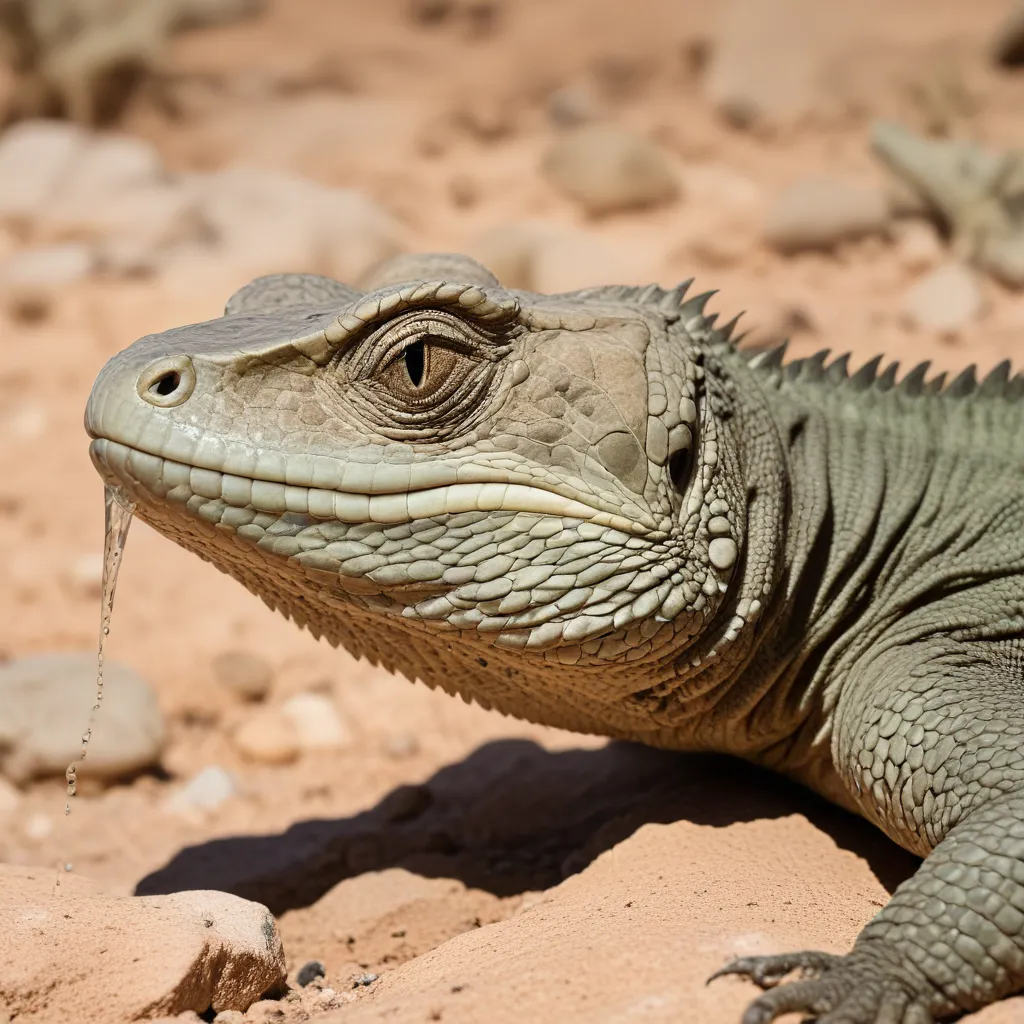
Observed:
{"x":316,"y":721}
{"x":244,"y":673}
{"x":45,"y":703}
{"x":269,"y":737}
{"x":607,"y":169}
{"x":205,"y":791}
{"x":35,"y":156}
{"x":945,"y":300}
{"x":819,"y":213}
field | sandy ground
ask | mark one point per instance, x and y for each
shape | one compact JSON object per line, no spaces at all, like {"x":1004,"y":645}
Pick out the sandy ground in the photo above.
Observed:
{"x":485,"y":868}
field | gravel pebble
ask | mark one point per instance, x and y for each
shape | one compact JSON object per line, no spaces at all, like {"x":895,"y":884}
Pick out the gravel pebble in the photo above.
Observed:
{"x":268,"y":737}
{"x":309,"y":972}
{"x":247,"y":675}
{"x":918,"y":246}
{"x":945,"y":300}
{"x":317,"y":722}
{"x":819,"y":213}
{"x":606,"y":169}
{"x":205,"y":791}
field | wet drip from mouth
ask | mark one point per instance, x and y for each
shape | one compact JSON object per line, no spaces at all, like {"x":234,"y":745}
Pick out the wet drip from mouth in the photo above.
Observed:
{"x":118,"y":513}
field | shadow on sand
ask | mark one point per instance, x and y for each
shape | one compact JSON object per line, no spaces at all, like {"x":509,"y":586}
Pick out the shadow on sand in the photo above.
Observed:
{"x":513,"y":817}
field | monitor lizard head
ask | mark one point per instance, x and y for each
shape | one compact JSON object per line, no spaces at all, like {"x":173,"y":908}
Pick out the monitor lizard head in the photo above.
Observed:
{"x":539,"y":502}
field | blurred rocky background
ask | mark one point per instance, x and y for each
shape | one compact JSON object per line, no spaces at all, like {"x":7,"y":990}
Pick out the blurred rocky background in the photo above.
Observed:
{"x":850,"y":175}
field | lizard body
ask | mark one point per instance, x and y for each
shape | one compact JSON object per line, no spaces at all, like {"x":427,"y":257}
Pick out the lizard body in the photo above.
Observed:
{"x":593,"y":511}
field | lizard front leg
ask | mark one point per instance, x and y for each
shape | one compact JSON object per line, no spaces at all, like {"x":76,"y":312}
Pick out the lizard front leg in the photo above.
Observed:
{"x":930,"y":737}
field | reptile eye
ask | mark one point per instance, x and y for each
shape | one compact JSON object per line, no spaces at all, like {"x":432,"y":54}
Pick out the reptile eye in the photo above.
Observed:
{"x":420,"y":371}
{"x":416,"y":362}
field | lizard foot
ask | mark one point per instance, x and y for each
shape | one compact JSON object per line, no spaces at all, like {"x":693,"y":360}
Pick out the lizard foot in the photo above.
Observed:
{"x":859,"y":988}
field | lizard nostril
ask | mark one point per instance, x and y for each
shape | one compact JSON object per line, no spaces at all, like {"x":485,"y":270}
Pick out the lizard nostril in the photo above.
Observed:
{"x":167,"y":382}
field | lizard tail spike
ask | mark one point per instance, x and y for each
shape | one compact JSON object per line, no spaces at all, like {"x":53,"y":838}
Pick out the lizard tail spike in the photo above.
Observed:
{"x":963,"y":385}
{"x":770,"y":359}
{"x":695,"y":306}
{"x":887,"y":381}
{"x":725,"y":333}
{"x":429,"y":266}
{"x":839,"y":369}
{"x":995,"y":383}
{"x":867,"y":374}
{"x":935,"y":385}
{"x":913,"y":382}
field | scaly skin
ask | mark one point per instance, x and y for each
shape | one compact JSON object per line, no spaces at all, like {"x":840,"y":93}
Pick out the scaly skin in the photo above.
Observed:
{"x":591,"y":510}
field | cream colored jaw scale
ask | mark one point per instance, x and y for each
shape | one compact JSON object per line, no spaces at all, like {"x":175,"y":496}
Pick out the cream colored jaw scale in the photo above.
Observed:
{"x":347,"y":507}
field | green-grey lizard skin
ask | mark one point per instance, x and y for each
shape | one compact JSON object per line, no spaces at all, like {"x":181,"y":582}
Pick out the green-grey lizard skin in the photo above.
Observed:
{"x":592,"y":510}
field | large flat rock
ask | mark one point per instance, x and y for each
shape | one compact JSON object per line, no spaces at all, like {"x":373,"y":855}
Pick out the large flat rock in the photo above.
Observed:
{"x":69,"y":952}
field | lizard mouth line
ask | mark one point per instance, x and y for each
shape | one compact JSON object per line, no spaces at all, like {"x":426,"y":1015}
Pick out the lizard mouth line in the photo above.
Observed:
{"x":163,"y":477}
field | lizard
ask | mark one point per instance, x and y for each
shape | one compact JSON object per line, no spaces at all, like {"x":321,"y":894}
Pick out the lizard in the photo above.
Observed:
{"x":596,"y":510}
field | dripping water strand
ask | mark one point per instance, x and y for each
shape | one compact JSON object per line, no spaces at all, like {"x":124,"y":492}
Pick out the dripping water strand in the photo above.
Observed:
{"x":118,"y":513}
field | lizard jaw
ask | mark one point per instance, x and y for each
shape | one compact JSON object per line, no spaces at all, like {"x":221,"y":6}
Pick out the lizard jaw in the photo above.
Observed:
{"x":178,"y":482}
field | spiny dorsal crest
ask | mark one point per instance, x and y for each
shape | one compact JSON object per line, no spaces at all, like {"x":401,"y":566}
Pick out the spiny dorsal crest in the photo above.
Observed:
{"x":816,"y":368}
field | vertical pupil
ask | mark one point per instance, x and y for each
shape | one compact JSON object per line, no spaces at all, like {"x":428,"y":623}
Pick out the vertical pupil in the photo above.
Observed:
{"x":415,"y":362}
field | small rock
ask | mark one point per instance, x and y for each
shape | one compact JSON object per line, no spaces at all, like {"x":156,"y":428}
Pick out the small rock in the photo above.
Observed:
{"x":364,"y":980}
{"x":310,"y":972}
{"x":136,"y":957}
{"x":317,"y":722}
{"x":265,"y":222}
{"x":945,"y":301}
{"x":31,"y":282}
{"x":606,"y":169}
{"x":45,"y":702}
{"x":205,"y":791}
{"x":229,"y":1017}
{"x":819,"y":213}
{"x":35,"y":156}
{"x":918,"y":246}
{"x":247,"y":675}
{"x":269,"y":737}
{"x":768,"y":60}
{"x":541,"y":257}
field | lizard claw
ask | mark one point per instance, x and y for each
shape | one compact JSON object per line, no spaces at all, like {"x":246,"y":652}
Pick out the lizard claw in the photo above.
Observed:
{"x":852,"y":989}
{"x":768,"y":971}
